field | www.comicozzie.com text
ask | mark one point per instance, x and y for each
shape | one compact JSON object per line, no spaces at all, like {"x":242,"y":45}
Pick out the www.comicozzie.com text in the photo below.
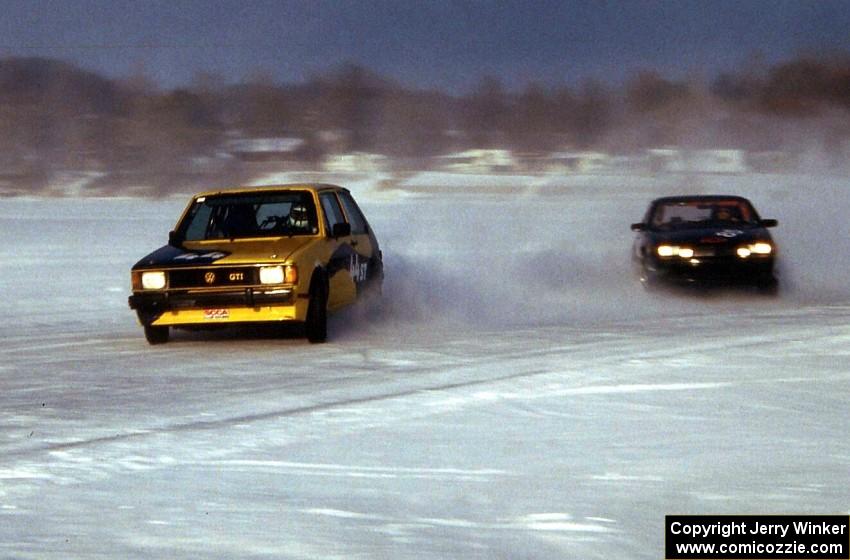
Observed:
{"x":734,"y":528}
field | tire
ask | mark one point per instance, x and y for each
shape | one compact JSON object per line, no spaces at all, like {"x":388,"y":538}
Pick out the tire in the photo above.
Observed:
{"x":316,"y":325}
{"x":156,"y":335}
{"x":648,"y":280}
{"x":768,"y":286}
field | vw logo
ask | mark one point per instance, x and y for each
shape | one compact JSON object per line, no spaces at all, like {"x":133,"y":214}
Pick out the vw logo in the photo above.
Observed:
{"x":209,"y":277}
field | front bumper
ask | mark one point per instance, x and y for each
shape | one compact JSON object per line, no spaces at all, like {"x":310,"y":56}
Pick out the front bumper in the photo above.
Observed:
{"x":713,"y":270}
{"x":188,"y":307}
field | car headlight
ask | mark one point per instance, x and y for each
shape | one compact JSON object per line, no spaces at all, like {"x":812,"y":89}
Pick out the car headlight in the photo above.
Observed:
{"x":279,"y":274}
{"x":153,"y":280}
{"x":686,"y":252}
{"x":672,"y":251}
{"x":271,"y":275}
{"x":760,"y":248}
{"x":666,"y":250}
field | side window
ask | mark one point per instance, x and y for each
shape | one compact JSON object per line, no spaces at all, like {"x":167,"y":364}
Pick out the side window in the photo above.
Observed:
{"x":355,"y":216}
{"x":332,"y":211}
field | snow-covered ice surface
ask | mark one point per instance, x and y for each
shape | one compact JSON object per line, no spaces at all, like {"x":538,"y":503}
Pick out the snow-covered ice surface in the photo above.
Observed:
{"x":517,"y":397}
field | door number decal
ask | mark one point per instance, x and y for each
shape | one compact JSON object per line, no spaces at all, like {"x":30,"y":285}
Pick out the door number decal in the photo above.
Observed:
{"x":357,"y":268}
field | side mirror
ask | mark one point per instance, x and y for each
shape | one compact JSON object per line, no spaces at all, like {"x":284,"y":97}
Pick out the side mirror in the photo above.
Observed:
{"x":341,"y":230}
{"x":639,"y":227}
{"x":174,"y":239}
{"x":769,"y":223}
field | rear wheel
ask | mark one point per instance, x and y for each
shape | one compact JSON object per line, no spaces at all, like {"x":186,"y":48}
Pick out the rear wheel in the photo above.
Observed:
{"x":316,"y":326}
{"x":156,"y":335}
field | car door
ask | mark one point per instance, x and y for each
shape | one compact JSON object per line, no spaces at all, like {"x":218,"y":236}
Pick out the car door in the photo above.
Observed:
{"x":341,"y":260}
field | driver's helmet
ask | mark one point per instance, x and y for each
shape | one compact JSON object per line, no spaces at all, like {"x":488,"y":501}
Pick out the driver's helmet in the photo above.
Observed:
{"x":298,"y":216}
{"x":726,"y":214}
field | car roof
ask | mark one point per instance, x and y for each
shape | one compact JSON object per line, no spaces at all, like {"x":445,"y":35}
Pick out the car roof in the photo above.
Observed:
{"x":315,"y":187}
{"x":698,"y":198}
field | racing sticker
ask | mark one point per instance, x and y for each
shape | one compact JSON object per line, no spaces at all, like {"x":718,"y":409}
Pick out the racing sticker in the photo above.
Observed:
{"x":212,"y":256}
{"x":358,"y":268}
{"x":216,"y":314}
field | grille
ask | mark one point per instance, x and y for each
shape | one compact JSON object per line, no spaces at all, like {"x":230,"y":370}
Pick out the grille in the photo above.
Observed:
{"x":212,"y":277}
{"x":719,"y":251}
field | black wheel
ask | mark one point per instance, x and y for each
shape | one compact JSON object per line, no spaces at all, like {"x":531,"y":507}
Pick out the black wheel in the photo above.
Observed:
{"x":156,"y":335}
{"x":768,"y":286}
{"x":648,"y":280}
{"x":316,"y":326}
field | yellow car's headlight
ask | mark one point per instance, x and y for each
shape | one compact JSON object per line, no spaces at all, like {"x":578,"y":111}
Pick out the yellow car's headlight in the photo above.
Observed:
{"x":271,"y":275}
{"x":153,"y":280}
{"x":279,"y":274}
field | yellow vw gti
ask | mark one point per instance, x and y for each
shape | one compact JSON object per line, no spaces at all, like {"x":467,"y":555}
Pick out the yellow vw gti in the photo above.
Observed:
{"x":286,"y":253}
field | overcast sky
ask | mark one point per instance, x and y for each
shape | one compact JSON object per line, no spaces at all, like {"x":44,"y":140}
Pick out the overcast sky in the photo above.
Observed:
{"x":438,"y":44}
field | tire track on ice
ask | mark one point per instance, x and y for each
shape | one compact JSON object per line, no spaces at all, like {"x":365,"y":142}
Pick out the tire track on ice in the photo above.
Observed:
{"x":602,"y":350}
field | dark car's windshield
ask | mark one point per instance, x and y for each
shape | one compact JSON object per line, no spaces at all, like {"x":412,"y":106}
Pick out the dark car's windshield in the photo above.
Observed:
{"x":702,"y":213}
{"x":237,"y":216}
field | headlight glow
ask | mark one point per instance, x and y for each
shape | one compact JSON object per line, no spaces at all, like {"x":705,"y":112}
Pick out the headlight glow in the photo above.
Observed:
{"x":271,"y":275}
{"x":759,"y":248}
{"x":153,"y":280}
{"x":279,"y":274}
{"x":666,"y":251}
{"x":671,"y":251}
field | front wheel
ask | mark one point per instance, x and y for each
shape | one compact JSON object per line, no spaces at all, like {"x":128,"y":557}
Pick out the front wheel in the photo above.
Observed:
{"x":648,"y":280}
{"x":768,"y":286}
{"x":156,"y":335}
{"x":316,"y":326}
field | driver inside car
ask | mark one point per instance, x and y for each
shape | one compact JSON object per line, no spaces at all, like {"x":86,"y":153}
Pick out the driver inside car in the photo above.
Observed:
{"x":298,"y":218}
{"x":727,"y":214}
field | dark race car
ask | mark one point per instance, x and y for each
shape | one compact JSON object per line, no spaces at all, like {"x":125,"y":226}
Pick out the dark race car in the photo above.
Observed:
{"x":707,"y":240}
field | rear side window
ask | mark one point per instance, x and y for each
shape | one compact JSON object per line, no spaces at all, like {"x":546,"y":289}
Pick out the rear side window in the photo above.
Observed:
{"x":355,"y":216}
{"x":333,"y":213}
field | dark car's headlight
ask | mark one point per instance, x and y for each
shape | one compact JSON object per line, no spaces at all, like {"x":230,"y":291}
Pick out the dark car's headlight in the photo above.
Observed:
{"x":674,"y":251}
{"x":761,"y":248}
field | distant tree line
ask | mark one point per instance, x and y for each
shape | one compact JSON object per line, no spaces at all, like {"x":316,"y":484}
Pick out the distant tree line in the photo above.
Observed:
{"x":58,"y":121}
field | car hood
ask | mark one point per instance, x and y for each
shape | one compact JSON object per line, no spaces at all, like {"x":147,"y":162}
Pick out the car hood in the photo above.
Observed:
{"x":224,"y":253}
{"x":712,"y":236}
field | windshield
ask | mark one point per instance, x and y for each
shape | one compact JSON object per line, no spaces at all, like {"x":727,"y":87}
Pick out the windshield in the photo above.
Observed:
{"x":236,"y":216}
{"x":701,"y":213}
